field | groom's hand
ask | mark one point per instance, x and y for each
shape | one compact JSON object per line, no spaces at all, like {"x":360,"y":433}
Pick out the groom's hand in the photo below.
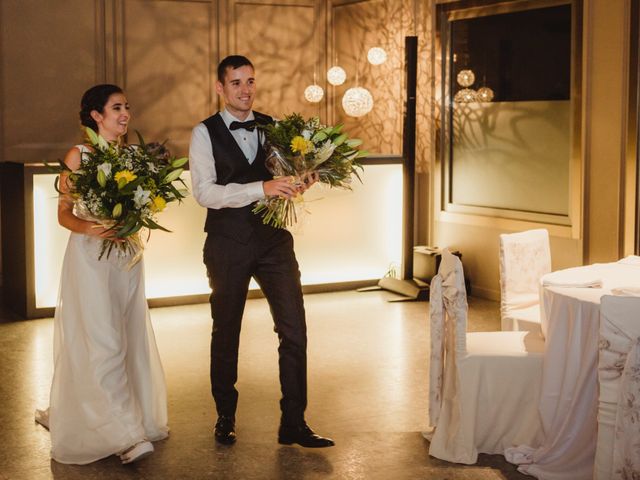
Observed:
{"x":308,"y":179}
{"x":280,"y":187}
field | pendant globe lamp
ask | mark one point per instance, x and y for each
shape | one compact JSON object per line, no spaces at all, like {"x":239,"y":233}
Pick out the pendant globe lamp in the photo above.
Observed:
{"x":465,"y":79}
{"x":484,"y":94}
{"x":336,"y":75}
{"x":465,"y":95}
{"x":376,"y":56}
{"x":357,"y":101}
{"x":313,"y":93}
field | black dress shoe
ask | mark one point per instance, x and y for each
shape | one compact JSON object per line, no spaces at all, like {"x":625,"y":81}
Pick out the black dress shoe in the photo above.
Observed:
{"x":225,"y":430}
{"x":303,"y":436}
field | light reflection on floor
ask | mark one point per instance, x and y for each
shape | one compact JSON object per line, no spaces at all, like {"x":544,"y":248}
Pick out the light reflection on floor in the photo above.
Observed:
{"x":367,"y":389}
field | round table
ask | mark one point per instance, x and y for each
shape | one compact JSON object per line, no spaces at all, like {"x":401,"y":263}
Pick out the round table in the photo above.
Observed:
{"x":569,"y":400}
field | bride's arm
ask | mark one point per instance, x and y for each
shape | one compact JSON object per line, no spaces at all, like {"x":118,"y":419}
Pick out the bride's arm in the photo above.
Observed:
{"x":66,"y":218}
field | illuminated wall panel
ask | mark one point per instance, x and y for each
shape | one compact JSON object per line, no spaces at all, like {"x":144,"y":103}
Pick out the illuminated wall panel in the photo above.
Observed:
{"x":49,"y":240}
{"x":345,"y":236}
{"x":352,"y":235}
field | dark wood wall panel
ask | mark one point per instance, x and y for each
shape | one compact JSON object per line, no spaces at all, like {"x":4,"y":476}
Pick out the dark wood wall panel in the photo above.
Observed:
{"x":48,"y":60}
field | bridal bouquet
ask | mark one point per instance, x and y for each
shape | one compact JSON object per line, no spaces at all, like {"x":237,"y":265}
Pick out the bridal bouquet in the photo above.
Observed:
{"x":297,"y":147}
{"x":124,"y":187}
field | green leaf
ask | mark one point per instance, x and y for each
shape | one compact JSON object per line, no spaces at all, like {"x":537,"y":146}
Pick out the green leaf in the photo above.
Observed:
{"x":181,"y":181}
{"x":131,"y":186}
{"x":319,"y":136}
{"x":163,"y":171}
{"x":179,"y":162}
{"x":117,"y":210}
{"x":102,"y":178}
{"x":56,"y":184}
{"x":362,"y":153}
{"x":354,"y":142}
{"x":102,"y":143}
{"x":154,"y":226}
{"x":179,"y":194}
{"x":93,"y":136}
{"x":58,"y":167}
{"x":137,"y":227}
{"x":140,"y":139}
{"x":339,"y":140}
{"x":129,"y":227}
{"x":172,"y":175}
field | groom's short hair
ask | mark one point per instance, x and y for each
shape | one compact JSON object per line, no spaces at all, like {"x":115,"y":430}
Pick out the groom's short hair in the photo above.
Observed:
{"x":232,"y":61}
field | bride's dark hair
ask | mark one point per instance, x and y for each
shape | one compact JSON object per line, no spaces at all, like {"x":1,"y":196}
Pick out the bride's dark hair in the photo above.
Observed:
{"x":95,"y":99}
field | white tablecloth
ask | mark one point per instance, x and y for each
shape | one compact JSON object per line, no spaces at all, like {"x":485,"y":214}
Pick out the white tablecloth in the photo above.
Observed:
{"x":569,"y":399}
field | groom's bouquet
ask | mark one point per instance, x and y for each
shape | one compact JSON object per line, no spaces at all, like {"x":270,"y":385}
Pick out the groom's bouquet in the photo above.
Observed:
{"x":298,"y":148}
{"x":124,"y":187}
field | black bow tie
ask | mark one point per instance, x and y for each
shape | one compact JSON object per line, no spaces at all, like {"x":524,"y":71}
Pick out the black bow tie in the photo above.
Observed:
{"x":248,"y":125}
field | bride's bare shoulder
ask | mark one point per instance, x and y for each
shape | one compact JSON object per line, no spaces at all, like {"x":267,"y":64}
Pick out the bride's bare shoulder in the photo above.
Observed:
{"x":73,"y":157}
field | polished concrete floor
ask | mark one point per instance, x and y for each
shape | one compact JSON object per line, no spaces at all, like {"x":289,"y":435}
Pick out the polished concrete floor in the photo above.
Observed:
{"x":368,"y":375}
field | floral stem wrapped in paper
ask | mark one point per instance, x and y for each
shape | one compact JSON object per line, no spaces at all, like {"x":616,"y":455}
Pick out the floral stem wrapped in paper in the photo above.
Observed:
{"x":300,"y":148}
{"x":124,"y":187}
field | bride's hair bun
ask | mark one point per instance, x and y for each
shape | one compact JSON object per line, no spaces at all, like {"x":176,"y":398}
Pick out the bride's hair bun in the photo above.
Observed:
{"x":95,"y":99}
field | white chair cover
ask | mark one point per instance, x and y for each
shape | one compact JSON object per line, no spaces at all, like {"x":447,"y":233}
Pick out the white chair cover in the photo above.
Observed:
{"x":524,"y":258}
{"x":483,"y":386}
{"x":618,"y":445}
{"x":436,"y":360}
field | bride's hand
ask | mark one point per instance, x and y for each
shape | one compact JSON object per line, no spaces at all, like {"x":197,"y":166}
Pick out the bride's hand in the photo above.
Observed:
{"x":97,"y":230}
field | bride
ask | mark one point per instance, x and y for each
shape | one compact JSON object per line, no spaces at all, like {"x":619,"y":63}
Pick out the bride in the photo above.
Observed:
{"x":108,"y":394}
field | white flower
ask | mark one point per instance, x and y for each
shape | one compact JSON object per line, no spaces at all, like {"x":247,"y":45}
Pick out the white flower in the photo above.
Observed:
{"x":152,"y":167}
{"x":141,"y":197}
{"x":323,"y":153}
{"x":105,"y":168}
{"x":306,"y":134}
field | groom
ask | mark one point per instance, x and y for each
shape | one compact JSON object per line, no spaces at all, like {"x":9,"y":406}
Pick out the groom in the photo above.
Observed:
{"x":227,"y":162}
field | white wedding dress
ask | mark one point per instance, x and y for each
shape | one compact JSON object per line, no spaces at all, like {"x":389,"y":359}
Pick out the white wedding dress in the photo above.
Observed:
{"x":108,"y":391}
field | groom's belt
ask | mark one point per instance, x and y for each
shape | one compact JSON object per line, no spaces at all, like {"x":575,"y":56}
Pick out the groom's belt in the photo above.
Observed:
{"x":239,"y":224}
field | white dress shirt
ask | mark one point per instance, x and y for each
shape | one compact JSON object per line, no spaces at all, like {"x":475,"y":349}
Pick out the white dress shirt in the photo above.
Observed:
{"x":203,"y":169}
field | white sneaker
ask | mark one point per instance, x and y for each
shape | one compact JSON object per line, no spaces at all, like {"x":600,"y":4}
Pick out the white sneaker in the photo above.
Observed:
{"x":137,"y":452}
{"x":42,"y":417}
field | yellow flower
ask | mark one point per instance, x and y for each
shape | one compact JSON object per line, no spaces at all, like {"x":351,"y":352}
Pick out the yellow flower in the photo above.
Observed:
{"x":301,"y":144}
{"x":158,"y":204}
{"x":126,"y":177}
